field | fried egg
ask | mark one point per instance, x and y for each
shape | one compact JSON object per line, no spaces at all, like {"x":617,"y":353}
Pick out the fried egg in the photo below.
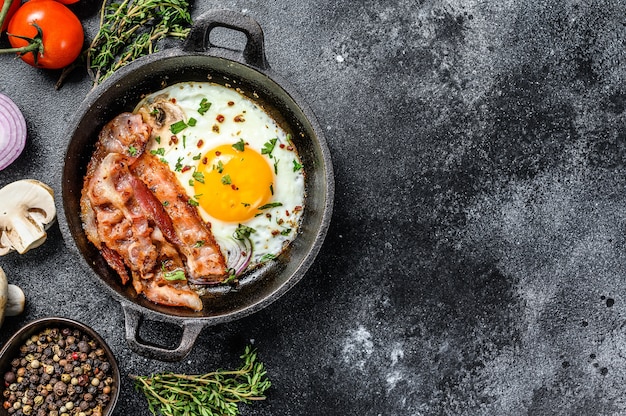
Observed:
{"x":237,"y":165}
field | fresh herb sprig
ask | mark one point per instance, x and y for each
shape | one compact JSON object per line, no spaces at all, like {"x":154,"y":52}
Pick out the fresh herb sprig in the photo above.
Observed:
{"x":213,"y":394}
{"x":130,"y":29}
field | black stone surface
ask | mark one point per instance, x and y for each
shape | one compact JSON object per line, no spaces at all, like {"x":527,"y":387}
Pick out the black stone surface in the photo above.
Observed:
{"x":475,"y":262}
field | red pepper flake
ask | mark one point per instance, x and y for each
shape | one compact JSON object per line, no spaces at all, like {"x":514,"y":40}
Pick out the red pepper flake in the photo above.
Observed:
{"x":297,"y":208}
{"x":239,"y":118}
{"x":287,"y":212}
{"x":216,"y":128}
{"x":200,"y":143}
{"x":220,"y":118}
{"x":282,"y":145}
{"x":234,"y":187}
{"x":173,"y":100}
{"x":275,"y":232}
{"x":231,"y":103}
{"x":174,"y":140}
{"x":205,"y":160}
{"x":289,"y":148}
{"x":217,"y":153}
{"x":185,"y":168}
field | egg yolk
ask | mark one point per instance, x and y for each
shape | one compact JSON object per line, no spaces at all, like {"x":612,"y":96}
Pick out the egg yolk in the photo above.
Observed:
{"x":236,"y":183}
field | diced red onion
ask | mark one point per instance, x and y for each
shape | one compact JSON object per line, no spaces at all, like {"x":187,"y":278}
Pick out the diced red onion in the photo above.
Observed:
{"x":12,"y":131}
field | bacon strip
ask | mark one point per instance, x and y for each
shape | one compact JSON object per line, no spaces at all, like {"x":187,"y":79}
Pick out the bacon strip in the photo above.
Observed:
{"x":120,"y":221}
{"x":116,"y":262}
{"x":205,"y":262}
{"x":126,"y":222}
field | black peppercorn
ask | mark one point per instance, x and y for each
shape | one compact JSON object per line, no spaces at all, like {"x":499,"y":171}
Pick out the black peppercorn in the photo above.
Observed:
{"x":64,"y":362}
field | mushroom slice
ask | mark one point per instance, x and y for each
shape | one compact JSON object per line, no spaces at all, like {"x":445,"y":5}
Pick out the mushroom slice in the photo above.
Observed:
{"x":160,"y":113}
{"x":26,"y":211}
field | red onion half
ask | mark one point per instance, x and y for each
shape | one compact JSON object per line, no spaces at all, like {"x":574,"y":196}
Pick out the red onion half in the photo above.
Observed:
{"x":12,"y":131}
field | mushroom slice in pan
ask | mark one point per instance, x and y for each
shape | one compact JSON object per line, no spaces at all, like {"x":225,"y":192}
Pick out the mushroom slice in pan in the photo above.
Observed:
{"x":26,"y":211}
{"x":160,"y":113}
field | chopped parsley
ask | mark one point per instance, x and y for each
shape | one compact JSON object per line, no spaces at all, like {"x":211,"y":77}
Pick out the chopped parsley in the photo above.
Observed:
{"x":132,"y":150}
{"x":296,"y":165}
{"x":175,"y":275}
{"x":239,"y":145}
{"x":178,"y":127}
{"x":204,"y":106}
{"x":199,"y":244}
{"x":268,"y":147}
{"x":286,"y":231}
{"x":226,"y":180}
{"x":179,"y":165}
{"x":243,"y":231}
{"x":198,"y":176}
{"x":272,"y":189}
{"x":160,"y":151}
{"x":158,"y":139}
{"x":166,"y":203}
{"x":266,"y":257}
{"x":197,"y":157}
{"x":193,"y":202}
{"x":276,"y":166}
{"x":271,"y":205}
{"x":191,"y":122}
{"x":219,"y":167}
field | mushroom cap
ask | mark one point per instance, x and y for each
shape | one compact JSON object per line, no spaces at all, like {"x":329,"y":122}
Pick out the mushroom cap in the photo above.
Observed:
{"x":26,"y":211}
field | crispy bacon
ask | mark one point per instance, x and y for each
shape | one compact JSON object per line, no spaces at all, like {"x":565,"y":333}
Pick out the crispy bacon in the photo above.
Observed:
{"x":205,"y":262}
{"x":116,"y":262}
{"x":120,"y":221}
{"x":124,"y":219}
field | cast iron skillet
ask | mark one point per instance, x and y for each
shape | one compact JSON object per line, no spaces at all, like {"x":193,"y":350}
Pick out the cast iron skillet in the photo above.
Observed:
{"x":247,"y":71}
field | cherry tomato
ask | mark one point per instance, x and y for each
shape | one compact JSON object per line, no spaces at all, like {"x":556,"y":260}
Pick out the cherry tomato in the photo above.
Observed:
{"x":62,"y":33}
{"x":12,"y":8}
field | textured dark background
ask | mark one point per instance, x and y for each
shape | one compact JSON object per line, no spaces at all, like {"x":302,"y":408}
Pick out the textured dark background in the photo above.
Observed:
{"x":475,"y":262}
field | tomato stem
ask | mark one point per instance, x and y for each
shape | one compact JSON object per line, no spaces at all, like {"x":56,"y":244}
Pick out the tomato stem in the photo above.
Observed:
{"x":32,"y":47}
{"x":5,"y":10}
{"x":35,"y":44}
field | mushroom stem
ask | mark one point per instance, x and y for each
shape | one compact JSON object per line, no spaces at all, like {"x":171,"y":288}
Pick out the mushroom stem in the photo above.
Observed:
{"x":15,"y":301}
{"x":12,"y":298}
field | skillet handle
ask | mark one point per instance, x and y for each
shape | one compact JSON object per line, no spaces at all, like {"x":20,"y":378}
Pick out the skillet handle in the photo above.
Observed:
{"x":254,"y":51}
{"x":133,"y":319}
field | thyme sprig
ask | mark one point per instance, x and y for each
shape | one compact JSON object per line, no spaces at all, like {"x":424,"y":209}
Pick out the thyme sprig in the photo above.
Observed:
{"x":130,"y":29}
{"x":213,"y":394}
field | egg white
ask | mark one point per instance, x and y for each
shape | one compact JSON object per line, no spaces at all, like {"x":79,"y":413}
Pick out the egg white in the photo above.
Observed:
{"x":274,"y":228}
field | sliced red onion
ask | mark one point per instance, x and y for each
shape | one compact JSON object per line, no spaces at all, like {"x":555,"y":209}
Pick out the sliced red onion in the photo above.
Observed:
{"x":238,"y":253}
{"x":12,"y":131}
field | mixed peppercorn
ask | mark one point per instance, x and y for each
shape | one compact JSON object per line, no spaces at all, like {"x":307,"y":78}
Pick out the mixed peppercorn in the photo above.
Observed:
{"x":59,"y":372}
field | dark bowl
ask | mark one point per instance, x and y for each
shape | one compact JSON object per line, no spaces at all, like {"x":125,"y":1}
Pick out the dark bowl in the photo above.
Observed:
{"x":11,"y":350}
{"x":246,"y":71}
